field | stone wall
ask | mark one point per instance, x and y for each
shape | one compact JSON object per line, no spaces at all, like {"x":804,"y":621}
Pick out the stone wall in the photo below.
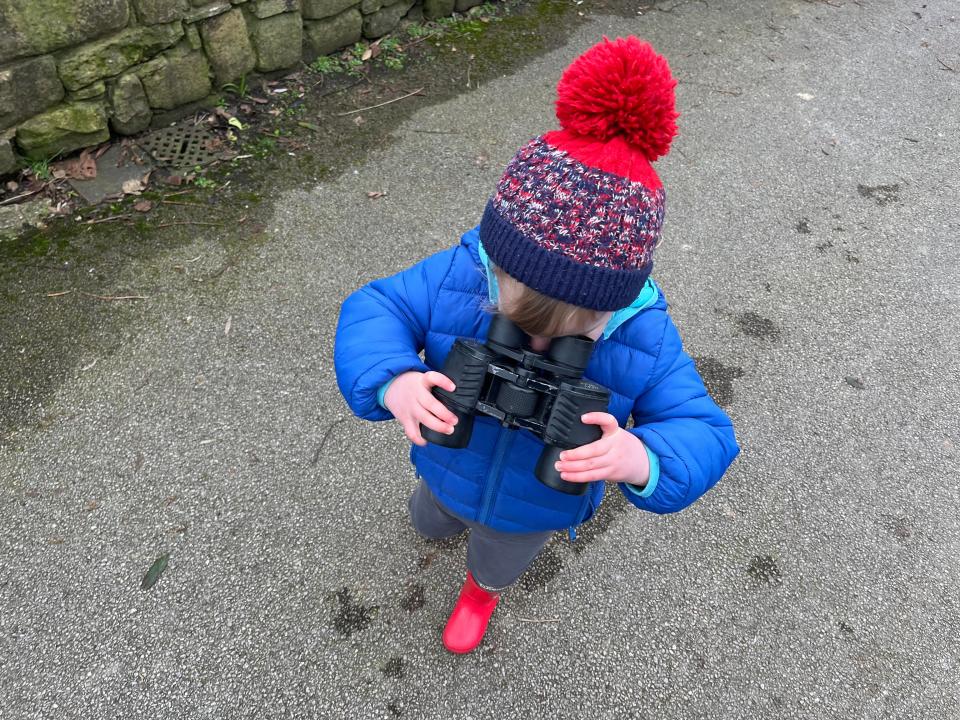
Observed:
{"x":74,"y":71}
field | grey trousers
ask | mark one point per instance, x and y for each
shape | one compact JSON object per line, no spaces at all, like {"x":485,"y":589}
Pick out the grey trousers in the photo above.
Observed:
{"x":495,"y":559}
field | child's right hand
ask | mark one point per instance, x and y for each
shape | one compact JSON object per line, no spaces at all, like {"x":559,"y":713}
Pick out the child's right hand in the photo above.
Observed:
{"x":411,"y":402}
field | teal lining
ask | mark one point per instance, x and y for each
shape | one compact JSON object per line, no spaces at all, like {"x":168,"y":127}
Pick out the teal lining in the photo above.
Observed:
{"x":647,"y":490}
{"x":383,"y":391}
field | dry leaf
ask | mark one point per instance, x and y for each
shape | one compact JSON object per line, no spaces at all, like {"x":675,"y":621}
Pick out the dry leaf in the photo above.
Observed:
{"x":13,"y":186}
{"x":174,"y":180}
{"x":132,"y":187}
{"x":367,"y":54}
{"x":83,"y":167}
{"x":87,"y":164}
{"x":359,"y":120}
{"x":143,"y":206}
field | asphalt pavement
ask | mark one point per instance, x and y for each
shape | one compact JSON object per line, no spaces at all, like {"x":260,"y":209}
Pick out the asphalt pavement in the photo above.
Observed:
{"x":811,"y":262}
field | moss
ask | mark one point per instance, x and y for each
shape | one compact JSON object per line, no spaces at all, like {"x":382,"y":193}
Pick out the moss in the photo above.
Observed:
{"x":40,"y":26}
{"x":65,"y":128}
{"x":113,"y":55}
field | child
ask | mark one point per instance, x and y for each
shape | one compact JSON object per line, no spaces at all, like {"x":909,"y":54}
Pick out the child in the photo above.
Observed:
{"x":564,"y":247}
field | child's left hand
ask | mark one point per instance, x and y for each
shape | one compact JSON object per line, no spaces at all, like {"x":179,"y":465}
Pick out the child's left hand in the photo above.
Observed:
{"x":618,"y":456}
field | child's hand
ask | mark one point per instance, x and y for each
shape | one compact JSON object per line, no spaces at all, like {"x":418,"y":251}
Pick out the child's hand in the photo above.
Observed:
{"x":411,"y":402}
{"x":618,"y":456}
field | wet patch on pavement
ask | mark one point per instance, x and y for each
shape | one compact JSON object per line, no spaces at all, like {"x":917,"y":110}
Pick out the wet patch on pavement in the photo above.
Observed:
{"x":880,"y":194}
{"x":854,"y":382}
{"x":352,"y":617}
{"x":718,"y":378}
{"x":764,"y":570}
{"x":439,"y":547}
{"x":756,"y":326}
{"x":545,"y":568}
{"x":393,"y":667}
{"x":900,"y":526}
{"x":613,"y":506}
{"x":414,"y":598}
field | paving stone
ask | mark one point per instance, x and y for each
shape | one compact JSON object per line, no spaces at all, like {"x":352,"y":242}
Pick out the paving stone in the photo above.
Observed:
{"x":114,"y":168}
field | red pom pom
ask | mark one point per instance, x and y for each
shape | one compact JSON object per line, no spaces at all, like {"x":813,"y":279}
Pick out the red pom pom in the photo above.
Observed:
{"x":620,"y":88}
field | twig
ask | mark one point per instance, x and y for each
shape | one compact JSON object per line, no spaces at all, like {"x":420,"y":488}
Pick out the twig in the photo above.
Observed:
{"x":188,"y":222}
{"x":218,"y":273}
{"x":108,"y":219}
{"x":947,"y":67}
{"x":98,"y":297}
{"x":174,"y":202}
{"x":115,"y":297}
{"x":736,"y":92}
{"x":179,"y":192}
{"x":439,"y":132}
{"x":536,"y":620}
{"x":417,"y":41}
{"x":323,"y":440}
{"x":372,"y":107}
{"x":10,"y":201}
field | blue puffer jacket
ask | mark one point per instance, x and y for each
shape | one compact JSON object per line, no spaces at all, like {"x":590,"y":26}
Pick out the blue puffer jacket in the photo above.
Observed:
{"x":384,"y":325}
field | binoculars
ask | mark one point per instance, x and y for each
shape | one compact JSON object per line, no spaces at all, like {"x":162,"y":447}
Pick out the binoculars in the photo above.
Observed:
{"x":543,"y":393}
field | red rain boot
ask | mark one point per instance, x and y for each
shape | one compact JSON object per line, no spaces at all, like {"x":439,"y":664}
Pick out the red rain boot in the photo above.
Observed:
{"x":468,"y":621}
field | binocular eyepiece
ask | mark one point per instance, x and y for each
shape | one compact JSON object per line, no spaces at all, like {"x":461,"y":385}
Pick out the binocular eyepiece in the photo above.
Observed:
{"x":543,"y":393}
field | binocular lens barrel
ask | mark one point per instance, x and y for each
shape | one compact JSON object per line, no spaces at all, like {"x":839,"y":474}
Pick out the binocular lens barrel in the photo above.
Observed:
{"x":468,"y":366}
{"x":573,"y":351}
{"x":503,"y":332}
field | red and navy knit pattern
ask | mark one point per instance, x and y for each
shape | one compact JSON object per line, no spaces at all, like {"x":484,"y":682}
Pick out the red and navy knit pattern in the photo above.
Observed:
{"x":588,"y":215}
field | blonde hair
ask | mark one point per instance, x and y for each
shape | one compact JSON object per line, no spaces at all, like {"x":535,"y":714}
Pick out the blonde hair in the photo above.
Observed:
{"x":537,"y":314}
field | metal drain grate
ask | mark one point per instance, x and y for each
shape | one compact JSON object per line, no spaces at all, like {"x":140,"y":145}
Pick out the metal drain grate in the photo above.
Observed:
{"x":181,"y":147}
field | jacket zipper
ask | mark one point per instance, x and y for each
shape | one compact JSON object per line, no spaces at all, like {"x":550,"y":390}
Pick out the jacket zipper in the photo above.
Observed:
{"x":494,"y":476}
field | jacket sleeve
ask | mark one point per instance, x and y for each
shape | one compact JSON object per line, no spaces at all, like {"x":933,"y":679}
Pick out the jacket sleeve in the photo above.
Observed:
{"x":382,"y":329}
{"x":680,"y":423}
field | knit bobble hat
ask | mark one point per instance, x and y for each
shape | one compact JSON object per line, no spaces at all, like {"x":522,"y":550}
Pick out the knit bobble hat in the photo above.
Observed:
{"x":579,"y":210}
